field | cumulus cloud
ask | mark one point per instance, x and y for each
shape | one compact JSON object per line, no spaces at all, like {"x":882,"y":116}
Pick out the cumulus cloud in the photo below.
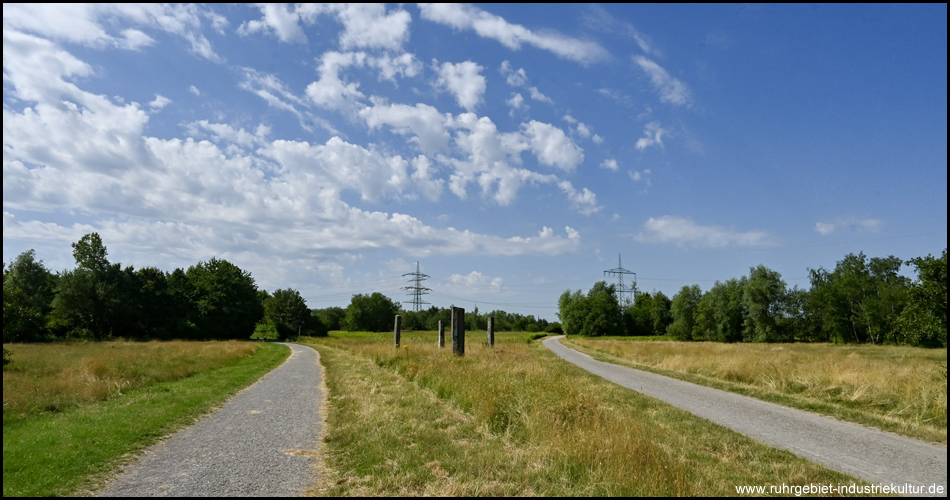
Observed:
{"x":652,"y":136}
{"x":538,"y":96}
{"x":464,"y":80}
{"x":426,"y":125}
{"x":516,"y":102}
{"x":552,"y":146}
{"x":610,"y":164}
{"x":513,"y":36}
{"x":514,"y":77}
{"x":670,"y":89}
{"x":687,"y":233}
{"x":159,"y":102}
{"x":364,"y":25}
{"x":584,"y":201}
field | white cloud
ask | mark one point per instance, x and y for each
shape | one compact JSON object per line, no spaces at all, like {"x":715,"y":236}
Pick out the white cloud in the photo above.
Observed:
{"x":610,"y":164}
{"x":584,"y":201}
{"x":370,"y":26}
{"x":597,"y":139}
{"x":824,"y":228}
{"x":640,"y":176}
{"x":516,"y":102}
{"x":850,"y":224}
{"x":685,"y":232}
{"x":331,"y":91}
{"x":476,"y":279}
{"x":464,"y":81}
{"x":583,"y":130}
{"x":552,"y":146}
{"x":652,"y":136}
{"x":467,"y":17}
{"x":670,"y":89}
{"x":364,"y":25}
{"x":424,"y":122}
{"x":515,"y":78}
{"x":194,"y":90}
{"x":87,"y":23}
{"x":280,"y":19}
{"x":159,"y":102}
{"x":538,"y":96}
{"x":404,"y":65}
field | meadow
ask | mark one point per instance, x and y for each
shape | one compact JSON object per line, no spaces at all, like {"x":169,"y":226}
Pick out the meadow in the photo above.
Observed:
{"x":899,"y":389}
{"x":73,"y":412}
{"x":514,"y":419}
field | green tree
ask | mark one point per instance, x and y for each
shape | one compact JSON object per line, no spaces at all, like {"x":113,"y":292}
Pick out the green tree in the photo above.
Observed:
{"x":638,"y":318}
{"x":289,"y":314}
{"x":225,"y":300}
{"x":595,"y":314}
{"x":92,"y":301}
{"x":27,"y":298}
{"x":763,"y":298}
{"x":924,"y":321}
{"x":723,"y":311}
{"x":861,"y":300}
{"x":331,"y":317}
{"x":683,"y":308}
{"x":373,"y":313}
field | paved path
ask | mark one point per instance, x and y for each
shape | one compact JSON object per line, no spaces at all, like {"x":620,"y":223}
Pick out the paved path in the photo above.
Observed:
{"x":866,"y":453}
{"x":255,"y":445}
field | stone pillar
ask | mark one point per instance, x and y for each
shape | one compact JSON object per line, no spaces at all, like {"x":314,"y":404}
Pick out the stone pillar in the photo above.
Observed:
{"x":397,"y":330}
{"x":458,"y":331}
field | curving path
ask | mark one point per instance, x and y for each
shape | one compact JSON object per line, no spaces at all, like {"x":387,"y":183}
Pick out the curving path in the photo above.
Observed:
{"x":869,"y":454}
{"x":260,"y":443}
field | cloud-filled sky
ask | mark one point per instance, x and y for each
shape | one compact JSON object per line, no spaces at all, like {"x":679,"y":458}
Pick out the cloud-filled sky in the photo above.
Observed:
{"x":514,"y":151}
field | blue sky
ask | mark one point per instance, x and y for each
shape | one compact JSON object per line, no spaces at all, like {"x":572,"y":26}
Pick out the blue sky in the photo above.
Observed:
{"x":513,"y":150}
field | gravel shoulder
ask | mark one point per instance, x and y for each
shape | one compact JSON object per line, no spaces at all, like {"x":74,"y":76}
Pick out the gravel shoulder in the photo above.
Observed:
{"x":865,"y":453}
{"x":262,"y":442}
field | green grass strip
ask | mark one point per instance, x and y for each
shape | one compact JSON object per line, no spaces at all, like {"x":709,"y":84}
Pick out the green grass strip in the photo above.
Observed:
{"x":62,"y":453}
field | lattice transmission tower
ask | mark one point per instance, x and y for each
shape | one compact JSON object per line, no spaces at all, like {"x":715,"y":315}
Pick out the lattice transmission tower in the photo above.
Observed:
{"x":416,"y":290}
{"x":625,"y":293}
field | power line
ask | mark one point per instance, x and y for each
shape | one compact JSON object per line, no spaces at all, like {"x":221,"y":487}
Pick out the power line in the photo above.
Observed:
{"x":416,"y":290}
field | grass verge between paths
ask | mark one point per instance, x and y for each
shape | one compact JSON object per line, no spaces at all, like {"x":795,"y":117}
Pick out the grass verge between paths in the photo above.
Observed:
{"x":515,"y":420}
{"x":72,"y":451}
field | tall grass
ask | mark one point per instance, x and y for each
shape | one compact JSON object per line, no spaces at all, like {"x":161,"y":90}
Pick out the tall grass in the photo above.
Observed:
{"x":516,"y":420}
{"x":54,"y":377}
{"x":896,"y":388}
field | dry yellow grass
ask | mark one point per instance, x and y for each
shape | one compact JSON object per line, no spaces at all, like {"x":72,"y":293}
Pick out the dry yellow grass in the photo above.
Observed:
{"x":516,"y":420}
{"x":53,"y":377}
{"x":897,"y":388}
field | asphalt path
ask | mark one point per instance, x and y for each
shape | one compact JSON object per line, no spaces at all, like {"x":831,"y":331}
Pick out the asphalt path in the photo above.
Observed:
{"x":865,"y":453}
{"x":260,"y":443}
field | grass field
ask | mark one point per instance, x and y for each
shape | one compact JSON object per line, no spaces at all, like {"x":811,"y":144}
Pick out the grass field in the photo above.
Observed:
{"x":894,"y":388}
{"x":516,"y":420}
{"x":73,"y":411}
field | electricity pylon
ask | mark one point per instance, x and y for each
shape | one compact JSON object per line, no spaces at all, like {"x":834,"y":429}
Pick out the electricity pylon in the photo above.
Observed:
{"x":624,"y":292}
{"x":416,"y":290}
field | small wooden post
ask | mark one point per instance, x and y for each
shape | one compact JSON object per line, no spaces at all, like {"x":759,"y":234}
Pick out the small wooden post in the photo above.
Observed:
{"x":458,"y":331}
{"x":491,"y":331}
{"x":441,"y":334}
{"x":396,"y":330}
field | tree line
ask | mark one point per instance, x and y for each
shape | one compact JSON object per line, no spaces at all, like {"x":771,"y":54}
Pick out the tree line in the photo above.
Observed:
{"x":98,"y":299}
{"x":211,"y":300}
{"x":861,"y":300}
{"x":375,"y":312}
